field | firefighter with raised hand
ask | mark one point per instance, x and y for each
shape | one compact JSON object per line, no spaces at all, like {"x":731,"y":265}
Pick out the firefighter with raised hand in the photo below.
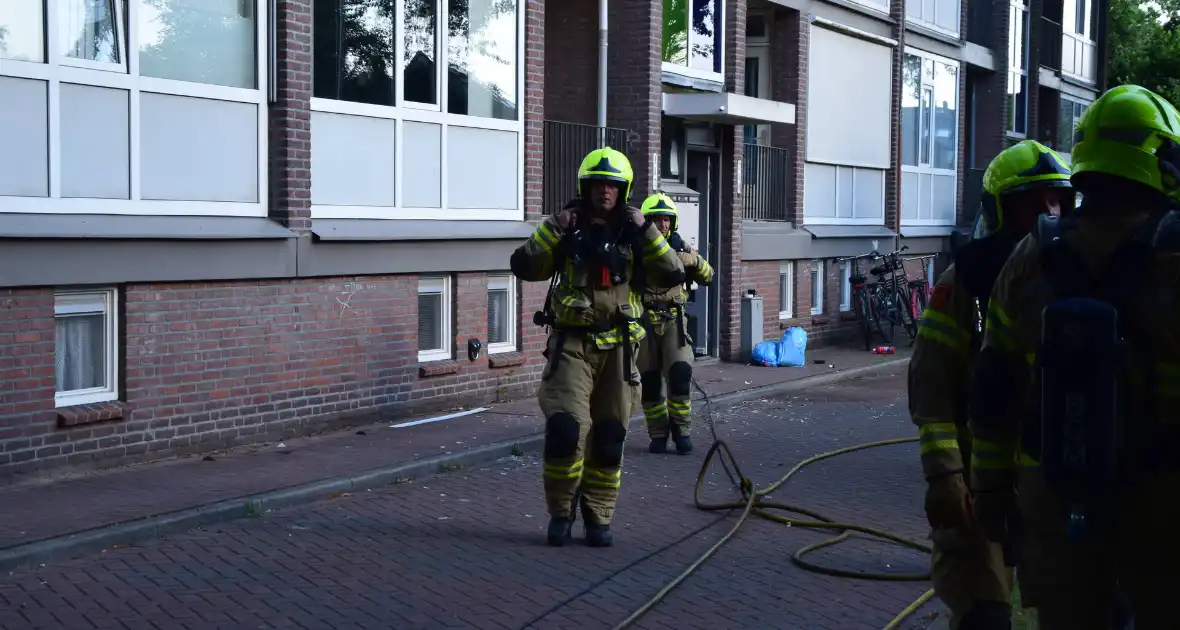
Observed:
{"x":1075,"y":398}
{"x":1021,"y":183}
{"x":667,"y":356}
{"x":597,"y":252}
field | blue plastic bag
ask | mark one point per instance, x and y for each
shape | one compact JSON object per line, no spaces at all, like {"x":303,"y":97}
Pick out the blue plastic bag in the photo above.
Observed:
{"x":765,"y":354}
{"x":792,"y":348}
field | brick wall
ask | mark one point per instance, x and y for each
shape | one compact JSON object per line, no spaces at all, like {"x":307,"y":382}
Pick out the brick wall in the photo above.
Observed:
{"x":212,"y":365}
{"x":991,"y":103}
{"x":290,"y":117}
{"x":635,"y":82}
{"x":790,"y":37}
{"x":729,"y":263}
{"x":571,"y":83}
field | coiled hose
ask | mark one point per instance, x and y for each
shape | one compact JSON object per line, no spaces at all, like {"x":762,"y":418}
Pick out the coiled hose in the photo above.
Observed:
{"x":753,"y":502}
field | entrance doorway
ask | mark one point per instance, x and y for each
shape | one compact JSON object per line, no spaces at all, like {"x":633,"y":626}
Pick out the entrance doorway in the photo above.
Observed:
{"x":704,"y":307}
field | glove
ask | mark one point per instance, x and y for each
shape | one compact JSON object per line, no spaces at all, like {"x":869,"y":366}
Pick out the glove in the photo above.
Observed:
{"x":675,"y":241}
{"x":995,"y":512}
{"x":948,"y":502}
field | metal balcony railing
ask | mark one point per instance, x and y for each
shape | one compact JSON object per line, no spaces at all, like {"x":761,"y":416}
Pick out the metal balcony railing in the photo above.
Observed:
{"x":766,"y":175}
{"x":1049,"y":39}
{"x":565,"y":146}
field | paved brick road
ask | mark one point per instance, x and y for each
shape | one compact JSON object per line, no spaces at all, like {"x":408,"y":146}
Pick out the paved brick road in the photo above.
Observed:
{"x":464,"y":550}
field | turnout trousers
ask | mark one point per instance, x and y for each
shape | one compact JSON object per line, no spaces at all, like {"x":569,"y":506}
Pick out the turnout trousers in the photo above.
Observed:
{"x":587,"y":397}
{"x":666,"y":365}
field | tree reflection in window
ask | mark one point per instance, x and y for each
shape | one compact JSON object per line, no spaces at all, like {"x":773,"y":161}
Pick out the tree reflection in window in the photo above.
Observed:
{"x":354,"y":51}
{"x":696,"y":47}
{"x":481,"y":58}
{"x":420,"y":56}
{"x":88,"y":30}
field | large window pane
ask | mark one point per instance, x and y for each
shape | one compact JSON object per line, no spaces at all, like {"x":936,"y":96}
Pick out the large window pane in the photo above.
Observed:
{"x":353,"y":51}
{"x":927,"y":124}
{"x":675,"y":36}
{"x":946,"y":115}
{"x":430,"y":334}
{"x":498,"y":316}
{"x":88,"y":29}
{"x":482,"y":59}
{"x":1017,"y":103}
{"x":202,"y":41}
{"x":22,"y":30}
{"x":420,"y":63}
{"x":704,"y":35}
{"x":910,"y":110}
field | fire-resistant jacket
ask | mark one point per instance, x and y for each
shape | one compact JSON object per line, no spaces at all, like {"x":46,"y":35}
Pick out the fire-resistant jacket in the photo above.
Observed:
{"x":577,"y":301}
{"x":1013,"y":333}
{"x":938,"y":376}
{"x":658,"y":299}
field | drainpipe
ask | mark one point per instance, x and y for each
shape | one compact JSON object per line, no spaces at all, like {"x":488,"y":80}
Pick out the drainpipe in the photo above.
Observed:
{"x":897,"y":196}
{"x":602,"y":50}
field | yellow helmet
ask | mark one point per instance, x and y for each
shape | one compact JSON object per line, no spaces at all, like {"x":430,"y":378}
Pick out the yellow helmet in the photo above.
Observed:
{"x":606,"y":164}
{"x":1130,"y":132}
{"x":1026,"y":165}
{"x":660,"y":204}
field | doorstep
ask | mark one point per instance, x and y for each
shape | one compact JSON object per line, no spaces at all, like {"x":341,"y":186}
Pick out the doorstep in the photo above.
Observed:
{"x":55,"y":520}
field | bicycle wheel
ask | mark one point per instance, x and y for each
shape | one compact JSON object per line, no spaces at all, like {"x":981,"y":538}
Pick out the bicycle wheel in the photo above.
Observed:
{"x":864,"y":318}
{"x":883,"y":320}
{"x":919,"y":301}
{"x":901,"y":300}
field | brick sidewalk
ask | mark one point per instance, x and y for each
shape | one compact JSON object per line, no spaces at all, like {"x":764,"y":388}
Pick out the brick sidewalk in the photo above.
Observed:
{"x":54,"y":509}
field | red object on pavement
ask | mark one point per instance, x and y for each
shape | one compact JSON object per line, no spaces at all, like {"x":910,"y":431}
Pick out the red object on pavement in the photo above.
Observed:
{"x":884,"y":350}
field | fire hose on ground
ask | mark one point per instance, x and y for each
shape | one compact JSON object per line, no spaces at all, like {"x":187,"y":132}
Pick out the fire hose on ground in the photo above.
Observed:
{"x":754,"y":503}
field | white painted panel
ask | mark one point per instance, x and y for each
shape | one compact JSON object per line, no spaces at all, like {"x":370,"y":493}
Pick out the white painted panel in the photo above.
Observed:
{"x":844,"y":193}
{"x":352,"y":160}
{"x":95,"y":142}
{"x":909,"y":196}
{"x":869,"y":201}
{"x":421,"y":165}
{"x":819,"y":191}
{"x":482,"y":168}
{"x":925,"y":207}
{"x":198,"y":149}
{"x":943,"y":199}
{"x":848,"y":91}
{"x":24,"y":137}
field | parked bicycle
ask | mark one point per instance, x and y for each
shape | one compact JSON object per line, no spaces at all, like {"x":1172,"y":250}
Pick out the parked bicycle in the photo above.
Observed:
{"x":892,"y":300}
{"x":920,"y":289}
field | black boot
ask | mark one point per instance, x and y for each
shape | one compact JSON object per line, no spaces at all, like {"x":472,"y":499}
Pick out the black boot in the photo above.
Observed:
{"x":560,"y":531}
{"x":598,"y":535}
{"x":658,"y":445}
{"x":683,"y":442}
{"x":987,"y":616}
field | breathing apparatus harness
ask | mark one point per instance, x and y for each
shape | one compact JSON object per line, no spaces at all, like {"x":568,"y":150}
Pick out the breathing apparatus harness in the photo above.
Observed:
{"x":671,"y":311}
{"x":1088,"y":422}
{"x":598,"y":248}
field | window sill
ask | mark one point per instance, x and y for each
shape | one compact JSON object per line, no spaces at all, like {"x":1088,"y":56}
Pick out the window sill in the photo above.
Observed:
{"x":78,"y":415}
{"x":820,"y":320}
{"x":438,"y":368}
{"x":847,"y":316}
{"x":506,"y":359}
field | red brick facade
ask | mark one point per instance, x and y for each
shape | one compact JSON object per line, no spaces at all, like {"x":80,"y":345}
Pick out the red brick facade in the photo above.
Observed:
{"x":210,"y":365}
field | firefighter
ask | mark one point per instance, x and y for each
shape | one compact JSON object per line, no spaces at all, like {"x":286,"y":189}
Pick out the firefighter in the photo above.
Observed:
{"x":1075,"y":401}
{"x":596,"y":252}
{"x":1022,"y":182}
{"x":667,"y":356}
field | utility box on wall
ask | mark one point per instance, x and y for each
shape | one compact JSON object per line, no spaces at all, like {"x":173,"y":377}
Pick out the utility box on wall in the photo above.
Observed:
{"x":751,"y":324}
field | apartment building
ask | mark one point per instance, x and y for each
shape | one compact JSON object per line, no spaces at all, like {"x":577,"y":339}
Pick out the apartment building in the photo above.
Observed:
{"x":223,"y":221}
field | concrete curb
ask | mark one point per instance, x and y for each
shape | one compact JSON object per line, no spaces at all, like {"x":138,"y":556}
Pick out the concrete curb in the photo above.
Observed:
{"x":42,"y":552}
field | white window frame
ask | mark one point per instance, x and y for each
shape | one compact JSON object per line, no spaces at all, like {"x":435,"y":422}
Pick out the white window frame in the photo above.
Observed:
{"x":719,"y":53}
{"x":1078,"y":43}
{"x":407,"y":111}
{"x":120,"y":44}
{"x":845,"y":286}
{"x":810,"y":220}
{"x":929,"y":169}
{"x":876,"y":5}
{"x":931,"y":24}
{"x":817,"y":288}
{"x":58,"y":70}
{"x":505,"y":282}
{"x":786,"y":288}
{"x":1018,"y":66}
{"x":76,"y":302}
{"x":442,"y":286}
